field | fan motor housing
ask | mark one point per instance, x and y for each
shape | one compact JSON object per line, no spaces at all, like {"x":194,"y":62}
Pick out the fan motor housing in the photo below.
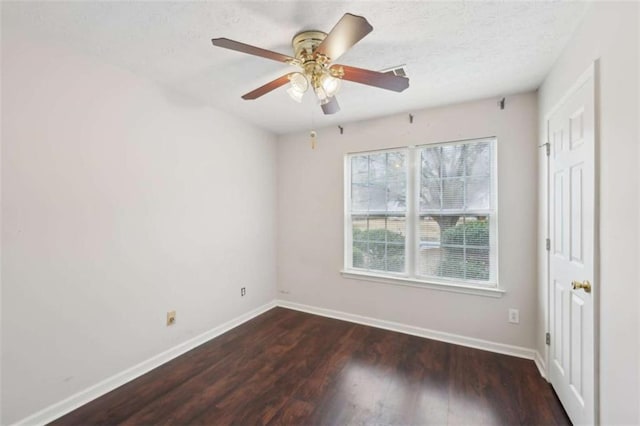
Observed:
{"x":305,"y":43}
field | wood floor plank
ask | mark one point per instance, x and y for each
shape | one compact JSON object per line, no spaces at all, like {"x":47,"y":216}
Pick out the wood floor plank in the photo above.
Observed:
{"x":213,"y":383}
{"x":116,"y":406}
{"x":291,"y":368}
{"x":419,"y":387}
{"x":361,"y":385}
{"x":281,"y":375}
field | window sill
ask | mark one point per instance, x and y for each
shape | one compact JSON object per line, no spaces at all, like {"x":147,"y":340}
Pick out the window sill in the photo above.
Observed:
{"x":412,"y":282}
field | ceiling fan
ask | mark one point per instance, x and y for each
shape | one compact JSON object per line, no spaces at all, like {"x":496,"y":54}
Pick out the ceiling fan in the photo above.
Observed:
{"x":314,"y":53}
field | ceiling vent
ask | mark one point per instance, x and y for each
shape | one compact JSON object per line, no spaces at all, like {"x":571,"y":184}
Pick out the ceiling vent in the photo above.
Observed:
{"x":400,"y":71}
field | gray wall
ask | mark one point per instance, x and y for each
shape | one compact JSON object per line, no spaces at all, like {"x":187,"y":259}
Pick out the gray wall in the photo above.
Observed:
{"x":118,"y":206}
{"x":310,"y":221}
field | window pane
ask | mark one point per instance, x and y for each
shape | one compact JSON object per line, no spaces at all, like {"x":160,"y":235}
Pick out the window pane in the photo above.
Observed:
{"x":453,"y":160}
{"x":479,"y":159}
{"x":378,"y":195}
{"x":396,"y":198}
{"x":429,"y":231}
{"x":375,"y":258}
{"x":377,"y":167}
{"x":453,"y":246}
{"x":452,"y":262}
{"x":358,"y":258}
{"x":379,"y":243}
{"x":437,"y":232}
{"x":477,"y":264}
{"x":452,"y":193}
{"x":359,"y":169}
{"x":395,"y":165}
{"x":429,"y":247}
{"x":465,"y":173}
{"x":451,"y":230}
{"x":476,"y":231}
{"x":478,"y":193}
{"x":430,"y":195}
{"x":359,"y":196}
{"x":396,"y":225}
{"x":431,"y":162}
{"x":358,"y":226}
{"x":395,"y":257}
{"x":379,"y":182}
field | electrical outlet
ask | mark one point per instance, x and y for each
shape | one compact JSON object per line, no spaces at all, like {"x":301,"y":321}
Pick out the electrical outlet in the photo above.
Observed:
{"x":514,"y":316}
{"x":243,"y":291}
{"x":171,"y":318}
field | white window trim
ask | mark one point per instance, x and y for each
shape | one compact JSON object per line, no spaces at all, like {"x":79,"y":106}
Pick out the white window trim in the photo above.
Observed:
{"x":490,"y":289}
{"x":404,"y":280}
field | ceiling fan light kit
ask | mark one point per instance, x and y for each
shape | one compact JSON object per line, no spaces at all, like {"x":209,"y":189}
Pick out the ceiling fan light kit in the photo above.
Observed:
{"x":299,"y":85}
{"x":330,"y":84}
{"x":314,"y":52}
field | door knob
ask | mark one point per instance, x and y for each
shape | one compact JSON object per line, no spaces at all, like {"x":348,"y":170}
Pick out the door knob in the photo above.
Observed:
{"x":586,"y":285}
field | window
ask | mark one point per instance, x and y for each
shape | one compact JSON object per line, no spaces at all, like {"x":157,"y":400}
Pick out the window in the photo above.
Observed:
{"x":425,"y":214}
{"x":379,"y":211}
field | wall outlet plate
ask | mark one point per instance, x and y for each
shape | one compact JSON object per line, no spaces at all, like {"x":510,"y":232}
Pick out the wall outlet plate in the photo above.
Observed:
{"x":243,"y":291}
{"x":514,"y":316}
{"x":171,"y":318}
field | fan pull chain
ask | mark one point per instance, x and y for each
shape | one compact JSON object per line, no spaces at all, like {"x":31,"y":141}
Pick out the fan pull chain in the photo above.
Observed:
{"x":314,"y":141}
{"x":312,"y":134}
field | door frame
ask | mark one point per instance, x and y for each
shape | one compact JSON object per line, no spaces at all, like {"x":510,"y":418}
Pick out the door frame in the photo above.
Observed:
{"x":593,"y":71}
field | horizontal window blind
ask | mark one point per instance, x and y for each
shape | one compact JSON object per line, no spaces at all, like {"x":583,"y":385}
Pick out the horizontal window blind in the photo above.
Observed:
{"x":377,"y":211}
{"x":455,"y":210}
{"x":442,"y":227}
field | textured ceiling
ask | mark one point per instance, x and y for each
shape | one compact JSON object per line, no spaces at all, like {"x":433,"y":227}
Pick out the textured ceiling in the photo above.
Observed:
{"x":454,"y":51}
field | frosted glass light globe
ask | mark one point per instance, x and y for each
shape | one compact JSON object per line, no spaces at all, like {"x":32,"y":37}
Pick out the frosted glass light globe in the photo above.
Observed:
{"x":330,"y":84}
{"x":296,"y":95}
{"x":299,"y":82}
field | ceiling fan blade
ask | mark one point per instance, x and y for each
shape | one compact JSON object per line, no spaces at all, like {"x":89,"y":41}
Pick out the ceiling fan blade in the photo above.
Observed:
{"x":251,"y":50}
{"x":331,"y":107}
{"x":263,"y":90}
{"x":349,"y":30}
{"x":374,"y":78}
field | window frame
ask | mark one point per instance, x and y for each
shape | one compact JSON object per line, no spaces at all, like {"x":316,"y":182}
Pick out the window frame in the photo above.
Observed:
{"x":348,"y":215}
{"x":411,"y":276}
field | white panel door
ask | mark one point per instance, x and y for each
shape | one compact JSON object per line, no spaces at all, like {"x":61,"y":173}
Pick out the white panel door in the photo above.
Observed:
{"x":571,"y":132}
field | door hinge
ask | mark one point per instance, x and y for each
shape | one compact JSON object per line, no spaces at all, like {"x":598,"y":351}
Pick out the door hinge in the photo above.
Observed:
{"x":548,"y":148}
{"x":548,"y":244}
{"x":547,"y":339}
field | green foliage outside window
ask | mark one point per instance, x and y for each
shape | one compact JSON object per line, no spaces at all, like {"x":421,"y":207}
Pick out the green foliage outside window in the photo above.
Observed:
{"x":473,"y":232}
{"x":472,"y":260}
{"x":378,"y":249}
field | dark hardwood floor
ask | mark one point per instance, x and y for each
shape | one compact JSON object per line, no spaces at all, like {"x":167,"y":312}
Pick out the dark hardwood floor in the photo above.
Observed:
{"x":288,"y":367}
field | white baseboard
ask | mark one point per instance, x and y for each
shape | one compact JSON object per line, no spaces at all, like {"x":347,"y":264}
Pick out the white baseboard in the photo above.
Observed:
{"x":542,"y":367}
{"x":77,"y":400}
{"x":81,"y":398}
{"x":456,"y":339}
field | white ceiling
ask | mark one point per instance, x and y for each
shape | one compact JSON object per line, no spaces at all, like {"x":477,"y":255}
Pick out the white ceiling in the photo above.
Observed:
{"x":454,"y":51}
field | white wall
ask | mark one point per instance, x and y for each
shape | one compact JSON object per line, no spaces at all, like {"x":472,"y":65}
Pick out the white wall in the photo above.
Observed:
{"x":1,"y":350}
{"x":1,"y":411}
{"x":310,"y":221}
{"x":638,"y":251}
{"x":610,"y":32}
{"x":119,"y":204}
